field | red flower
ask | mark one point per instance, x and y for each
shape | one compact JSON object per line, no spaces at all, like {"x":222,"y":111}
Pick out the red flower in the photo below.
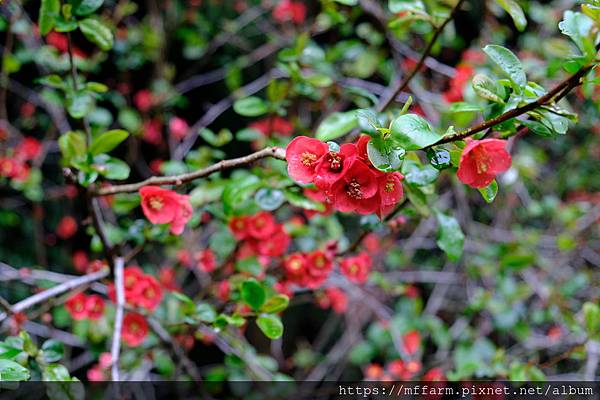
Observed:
{"x":374,"y":371}
{"x":29,"y":149}
{"x":275,"y":245}
{"x":80,"y":261}
{"x":361,"y":146}
{"x":149,"y":293}
{"x":334,"y":165}
{"x":152,"y":132}
{"x":239,"y":227}
{"x":162,"y":206}
{"x":206,"y":260}
{"x":166,"y":277}
{"x":223,"y":290}
{"x":178,"y":128}
{"x":10,"y":168}
{"x":262,"y":225}
{"x":356,"y":268}
{"x":334,"y":298}
{"x":66,"y":228}
{"x":435,"y":375}
{"x":319,"y":265}
{"x":411,"y":342}
{"x":268,"y":126}
{"x":356,"y":190}
{"x":390,"y":188}
{"x":303,"y":155}
{"x":75,"y":305}
{"x":296,"y":268}
{"x":143,"y":100}
{"x":481,"y":161}
{"x":94,"y":306}
{"x":135,"y":329}
{"x":287,"y":10}
{"x":320,"y":196}
{"x":462,"y":77}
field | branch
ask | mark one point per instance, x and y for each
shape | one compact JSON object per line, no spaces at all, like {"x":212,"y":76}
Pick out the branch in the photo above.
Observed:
{"x":56,"y":290}
{"x":557,"y":93}
{"x":387,"y":100}
{"x":116,"y":340}
{"x":177,"y":180}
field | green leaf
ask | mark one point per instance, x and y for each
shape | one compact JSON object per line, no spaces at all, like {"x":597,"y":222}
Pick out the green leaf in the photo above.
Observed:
{"x":49,"y":10}
{"x":419,"y":175}
{"x":222,"y":138}
{"x":384,"y":157}
{"x":108,"y":141}
{"x":516,"y":13}
{"x":270,"y":325}
{"x":348,"y":2}
{"x":72,"y":144}
{"x":206,"y":313}
{"x":79,"y":104}
{"x":53,"y":350}
{"x":336,"y":125}
{"x":275,"y":304}
{"x":269,"y":199}
{"x":253,"y":294}
{"x":250,"y":106}
{"x":461,"y":107}
{"x":508,"y":63}
{"x":450,"y":236}
{"x":440,"y":158}
{"x":413,"y":132}
{"x":577,"y":26}
{"x":83,"y":8}
{"x":538,"y":128}
{"x":11,"y":371}
{"x":487,"y":88}
{"x":96,"y":32}
{"x":7,"y":351}
{"x":299,"y":200}
{"x":591,"y":317}
{"x":56,"y":372}
{"x":110,"y":167}
{"x":96,"y":87}
{"x":489,"y":192}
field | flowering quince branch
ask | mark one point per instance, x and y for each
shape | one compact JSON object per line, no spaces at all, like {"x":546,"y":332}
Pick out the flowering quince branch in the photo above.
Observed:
{"x":178,"y":180}
{"x":558,"y":92}
{"x":57,"y":290}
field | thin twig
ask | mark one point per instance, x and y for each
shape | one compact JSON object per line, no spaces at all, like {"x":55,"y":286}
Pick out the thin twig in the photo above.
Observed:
{"x":116,"y":339}
{"x":389,"y":98}
{"x":178,"y":180}
{"x":56,"y":290}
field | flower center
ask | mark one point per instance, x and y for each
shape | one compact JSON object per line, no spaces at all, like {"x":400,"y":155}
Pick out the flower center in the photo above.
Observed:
{"x":295,"y":265}
{"x":353,"y":189}
{"x":353,"y":269}
{"x":308,"y":159}
{"x":156,"y":203}
{"x":390,"y":186}
{"x":335,"y":161}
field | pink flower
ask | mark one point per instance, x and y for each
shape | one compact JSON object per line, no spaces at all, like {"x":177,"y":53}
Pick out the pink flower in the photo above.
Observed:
{"x":303,"y":155}
{"x":287,"y":10}
{"x":178,"y":128}
{"x":163,"y":206}
{"x":481,"y":161}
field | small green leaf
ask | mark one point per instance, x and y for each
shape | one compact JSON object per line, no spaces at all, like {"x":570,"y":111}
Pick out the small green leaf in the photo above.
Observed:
{"x":591,"y":317}
{"x":516,"y":13}
{"x":270,"y":325}
{"x":487,"y":88}
{"x":83,"y":8}
{"x":96,"y":87}
{"x":384,"y":157}
{"x":489,"y":192}
{"x":250,"y":106}
{"x":108,"y":141}
{"x":72,"y":144}
{"x":419,"y":175}
{"x":206,"y":313}
{"x":412,"y":132}
{"x":461,"y":107}
{"x":79,"y":104}
{"x":299,"y":200}
{"x":577,"y":26}
{"x":439,"y":158}
{"x":11,"y":371}
{"x":450,"y":236}
{"x":56,"y":372}
{"x":7,"y":351}
{"x":49,"y":10}
{"x":336,"y":125}
{"x":269,"y":199}
{"x":96,"y":32}
{"x":110,"y":167}
{"x":508,"y":63}
{"x":53,"y":350}
{"x":253,"y":294}
{"x":275,"y":304}
{"x":538,"y":128}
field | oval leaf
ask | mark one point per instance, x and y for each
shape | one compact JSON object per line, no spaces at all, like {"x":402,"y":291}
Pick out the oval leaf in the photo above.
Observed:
{"x":336,"y":125}
{"x":508,"y":62}
{"x":250,"y":106}
{"x":413,"y":133}
{"x":108,"y":141}
{"x":96,"y":32}
{"x":253,"y":294}
{"x":270,"y":325}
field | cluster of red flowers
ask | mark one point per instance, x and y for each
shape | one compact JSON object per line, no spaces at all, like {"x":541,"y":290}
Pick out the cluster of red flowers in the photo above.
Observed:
{"x":346,"y":176}
{"x":308,"y":269}
{"x":135,"y":329}
{"x":100,"y":372}
{"x":81,"y":306}
{"x":206,"y":260}
{"x":289,"y":11}
{"x":163,"y":206}
{"x":335,"y":299}
{"x":262,"y":234}
{"x":481,"y":161}
{"x":141,"y":290}
{"x":15,"y":166}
